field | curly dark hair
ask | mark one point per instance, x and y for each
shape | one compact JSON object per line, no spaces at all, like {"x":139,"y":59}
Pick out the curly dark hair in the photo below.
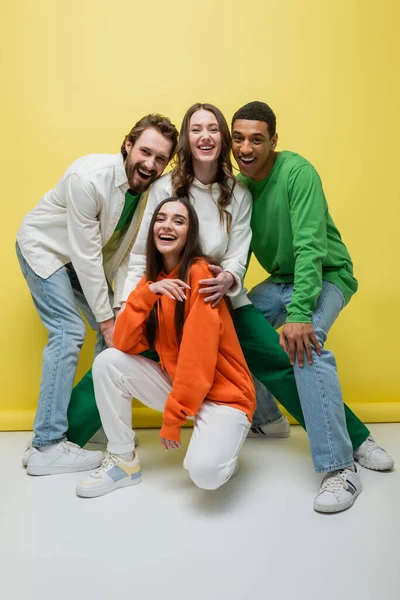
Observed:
{"x":257,"y":111}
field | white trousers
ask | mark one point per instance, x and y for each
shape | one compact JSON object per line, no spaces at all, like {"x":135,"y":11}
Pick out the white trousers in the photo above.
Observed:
{"x":218,"y":433}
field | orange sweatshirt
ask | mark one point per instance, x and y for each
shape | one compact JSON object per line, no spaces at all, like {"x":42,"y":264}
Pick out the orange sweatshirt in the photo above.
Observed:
{"x":209,"y":364}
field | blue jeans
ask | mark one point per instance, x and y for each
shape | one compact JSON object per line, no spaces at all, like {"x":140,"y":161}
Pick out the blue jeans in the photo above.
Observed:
{"x":58,"y":300}
{"x":318,"y":383}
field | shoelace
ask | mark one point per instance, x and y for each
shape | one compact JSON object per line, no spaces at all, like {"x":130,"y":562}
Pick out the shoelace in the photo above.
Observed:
{"x":28,"y":445}
{"x":334,"y":483}
{"x":110,"y":460}
{"x":70,"y":446}
{"x":370,"y":444}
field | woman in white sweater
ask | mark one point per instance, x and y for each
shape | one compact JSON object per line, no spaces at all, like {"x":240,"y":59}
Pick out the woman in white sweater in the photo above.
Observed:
{"x":203,"y":173}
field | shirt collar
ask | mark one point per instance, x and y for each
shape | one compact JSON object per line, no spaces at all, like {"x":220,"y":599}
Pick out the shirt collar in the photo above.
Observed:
{"x":120,"y":173}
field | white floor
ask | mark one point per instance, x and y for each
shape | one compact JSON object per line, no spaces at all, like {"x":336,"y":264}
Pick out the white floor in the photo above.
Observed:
{"x":256,"y":538}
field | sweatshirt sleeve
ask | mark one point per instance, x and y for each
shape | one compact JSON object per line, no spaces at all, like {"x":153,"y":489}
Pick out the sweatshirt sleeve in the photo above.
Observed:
{"x":85,"y":244}
{"x":307,"y":207}
{"x":235,"y":258}
{"x":130,"y":326}
{"x":195,"y":370}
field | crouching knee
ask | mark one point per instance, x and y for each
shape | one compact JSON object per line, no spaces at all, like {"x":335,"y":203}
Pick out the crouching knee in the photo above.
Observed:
{"x":207,"y":475}
{"x":103,"y":361}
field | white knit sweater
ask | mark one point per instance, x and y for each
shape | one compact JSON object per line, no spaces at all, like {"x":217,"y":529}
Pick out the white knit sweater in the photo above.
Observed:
{"x":231,"y":250}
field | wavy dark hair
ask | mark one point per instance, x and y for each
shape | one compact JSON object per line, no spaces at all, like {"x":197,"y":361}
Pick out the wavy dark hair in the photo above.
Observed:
{"x":153,"y":121}
{"x":191,"y":252}
{"x":183,"y":173}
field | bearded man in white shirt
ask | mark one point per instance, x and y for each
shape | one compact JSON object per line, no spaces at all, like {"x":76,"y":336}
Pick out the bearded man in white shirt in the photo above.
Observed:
{"x":73,"y":249}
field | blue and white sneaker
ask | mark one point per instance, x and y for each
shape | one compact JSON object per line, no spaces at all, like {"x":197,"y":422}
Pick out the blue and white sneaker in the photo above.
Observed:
{"x":113,"y":474}
{"x":338,"y":490}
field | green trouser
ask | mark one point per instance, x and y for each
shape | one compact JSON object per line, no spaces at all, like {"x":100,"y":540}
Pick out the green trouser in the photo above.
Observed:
{"x":265,"y":358}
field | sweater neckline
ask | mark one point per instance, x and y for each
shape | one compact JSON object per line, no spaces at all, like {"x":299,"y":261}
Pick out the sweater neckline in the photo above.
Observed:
{"x":263,"y":182}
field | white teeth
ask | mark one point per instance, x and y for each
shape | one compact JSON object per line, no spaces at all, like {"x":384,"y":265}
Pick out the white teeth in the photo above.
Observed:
{"x":167,"y":237}
{"x":206,"y":147}
{"x":247,"y":160}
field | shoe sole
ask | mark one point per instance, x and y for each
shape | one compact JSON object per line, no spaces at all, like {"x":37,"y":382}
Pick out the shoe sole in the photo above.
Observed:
{"x":38,"y":470}
{"x":89,"y":493}
{"x":366,"y":465}
{"x":335,"y":508}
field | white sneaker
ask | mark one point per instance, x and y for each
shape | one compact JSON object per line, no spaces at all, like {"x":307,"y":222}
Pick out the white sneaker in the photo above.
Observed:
{"x":29,"y":449}
{"x":371,"y":456}
{"x":277,"y":429}
{"x":338,"y":490}
{"x":113,"y":474}
{"x":64,"y":457}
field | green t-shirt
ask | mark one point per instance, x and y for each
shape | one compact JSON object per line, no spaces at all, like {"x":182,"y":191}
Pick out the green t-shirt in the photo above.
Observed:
{"x":294,"y":236}
{"x":131,"y":202}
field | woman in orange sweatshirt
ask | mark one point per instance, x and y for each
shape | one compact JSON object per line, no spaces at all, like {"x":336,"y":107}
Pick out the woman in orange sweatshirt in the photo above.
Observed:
{"x":202,"y":373}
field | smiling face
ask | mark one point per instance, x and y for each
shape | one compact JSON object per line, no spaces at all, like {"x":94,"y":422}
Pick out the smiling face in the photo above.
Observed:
{"x":170,"y":230}
{"x":204,"y":137}
{"x":146,"y":159}
{"x":253,"y":148}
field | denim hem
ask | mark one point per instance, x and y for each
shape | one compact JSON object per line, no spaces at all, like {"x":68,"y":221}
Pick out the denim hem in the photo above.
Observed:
{"x":38,"y":444}
{"x":334,"y":468}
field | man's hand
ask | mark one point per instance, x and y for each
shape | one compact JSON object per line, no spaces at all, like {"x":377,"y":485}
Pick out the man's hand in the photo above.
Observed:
{"x":173,"y":288}
{"x":169,"y":444}
{"x":107,"y":329}
{"x":295,"y":337}
{"x":222,"y":282}
{"x":119,"y":310}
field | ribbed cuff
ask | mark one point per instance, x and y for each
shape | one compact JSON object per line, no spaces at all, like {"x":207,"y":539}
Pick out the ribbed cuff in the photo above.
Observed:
{"x":171,"y":430}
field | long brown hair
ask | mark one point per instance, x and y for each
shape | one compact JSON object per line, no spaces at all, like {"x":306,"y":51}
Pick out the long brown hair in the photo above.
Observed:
{"x":191,"y":253}
{"x":183,"y":173}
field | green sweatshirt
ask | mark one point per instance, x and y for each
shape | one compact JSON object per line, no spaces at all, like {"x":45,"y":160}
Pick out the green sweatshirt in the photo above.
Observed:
{"x":294,"y":236}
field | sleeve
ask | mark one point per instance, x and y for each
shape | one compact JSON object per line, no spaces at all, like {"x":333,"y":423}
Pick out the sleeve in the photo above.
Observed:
{"x":235,"y":257}
{"x":195,"y":370}
{"x":85,"y":242}
{"x":119,"y":280}
{"x":307,"y":206}
{"x":137,"y":259}
{"x":130,"y":326}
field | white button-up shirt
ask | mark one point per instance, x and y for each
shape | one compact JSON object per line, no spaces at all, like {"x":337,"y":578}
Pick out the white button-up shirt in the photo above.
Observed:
{"x":75,"y":220}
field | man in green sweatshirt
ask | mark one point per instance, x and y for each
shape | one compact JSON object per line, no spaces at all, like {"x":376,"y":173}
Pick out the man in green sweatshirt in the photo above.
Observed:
{"x":311,"y":280}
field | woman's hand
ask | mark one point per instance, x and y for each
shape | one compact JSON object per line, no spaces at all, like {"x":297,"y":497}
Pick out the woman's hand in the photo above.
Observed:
{"x":173,"y":288}
{"x":169,"y":444}
{"x":222,"y":282}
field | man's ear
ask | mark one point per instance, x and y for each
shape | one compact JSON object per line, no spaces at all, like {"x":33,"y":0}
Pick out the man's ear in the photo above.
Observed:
{"x":274,"y":141}
{"x":128,"y":146}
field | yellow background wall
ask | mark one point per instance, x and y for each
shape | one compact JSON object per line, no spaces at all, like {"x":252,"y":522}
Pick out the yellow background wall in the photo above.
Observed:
{"x":77,"y":74}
